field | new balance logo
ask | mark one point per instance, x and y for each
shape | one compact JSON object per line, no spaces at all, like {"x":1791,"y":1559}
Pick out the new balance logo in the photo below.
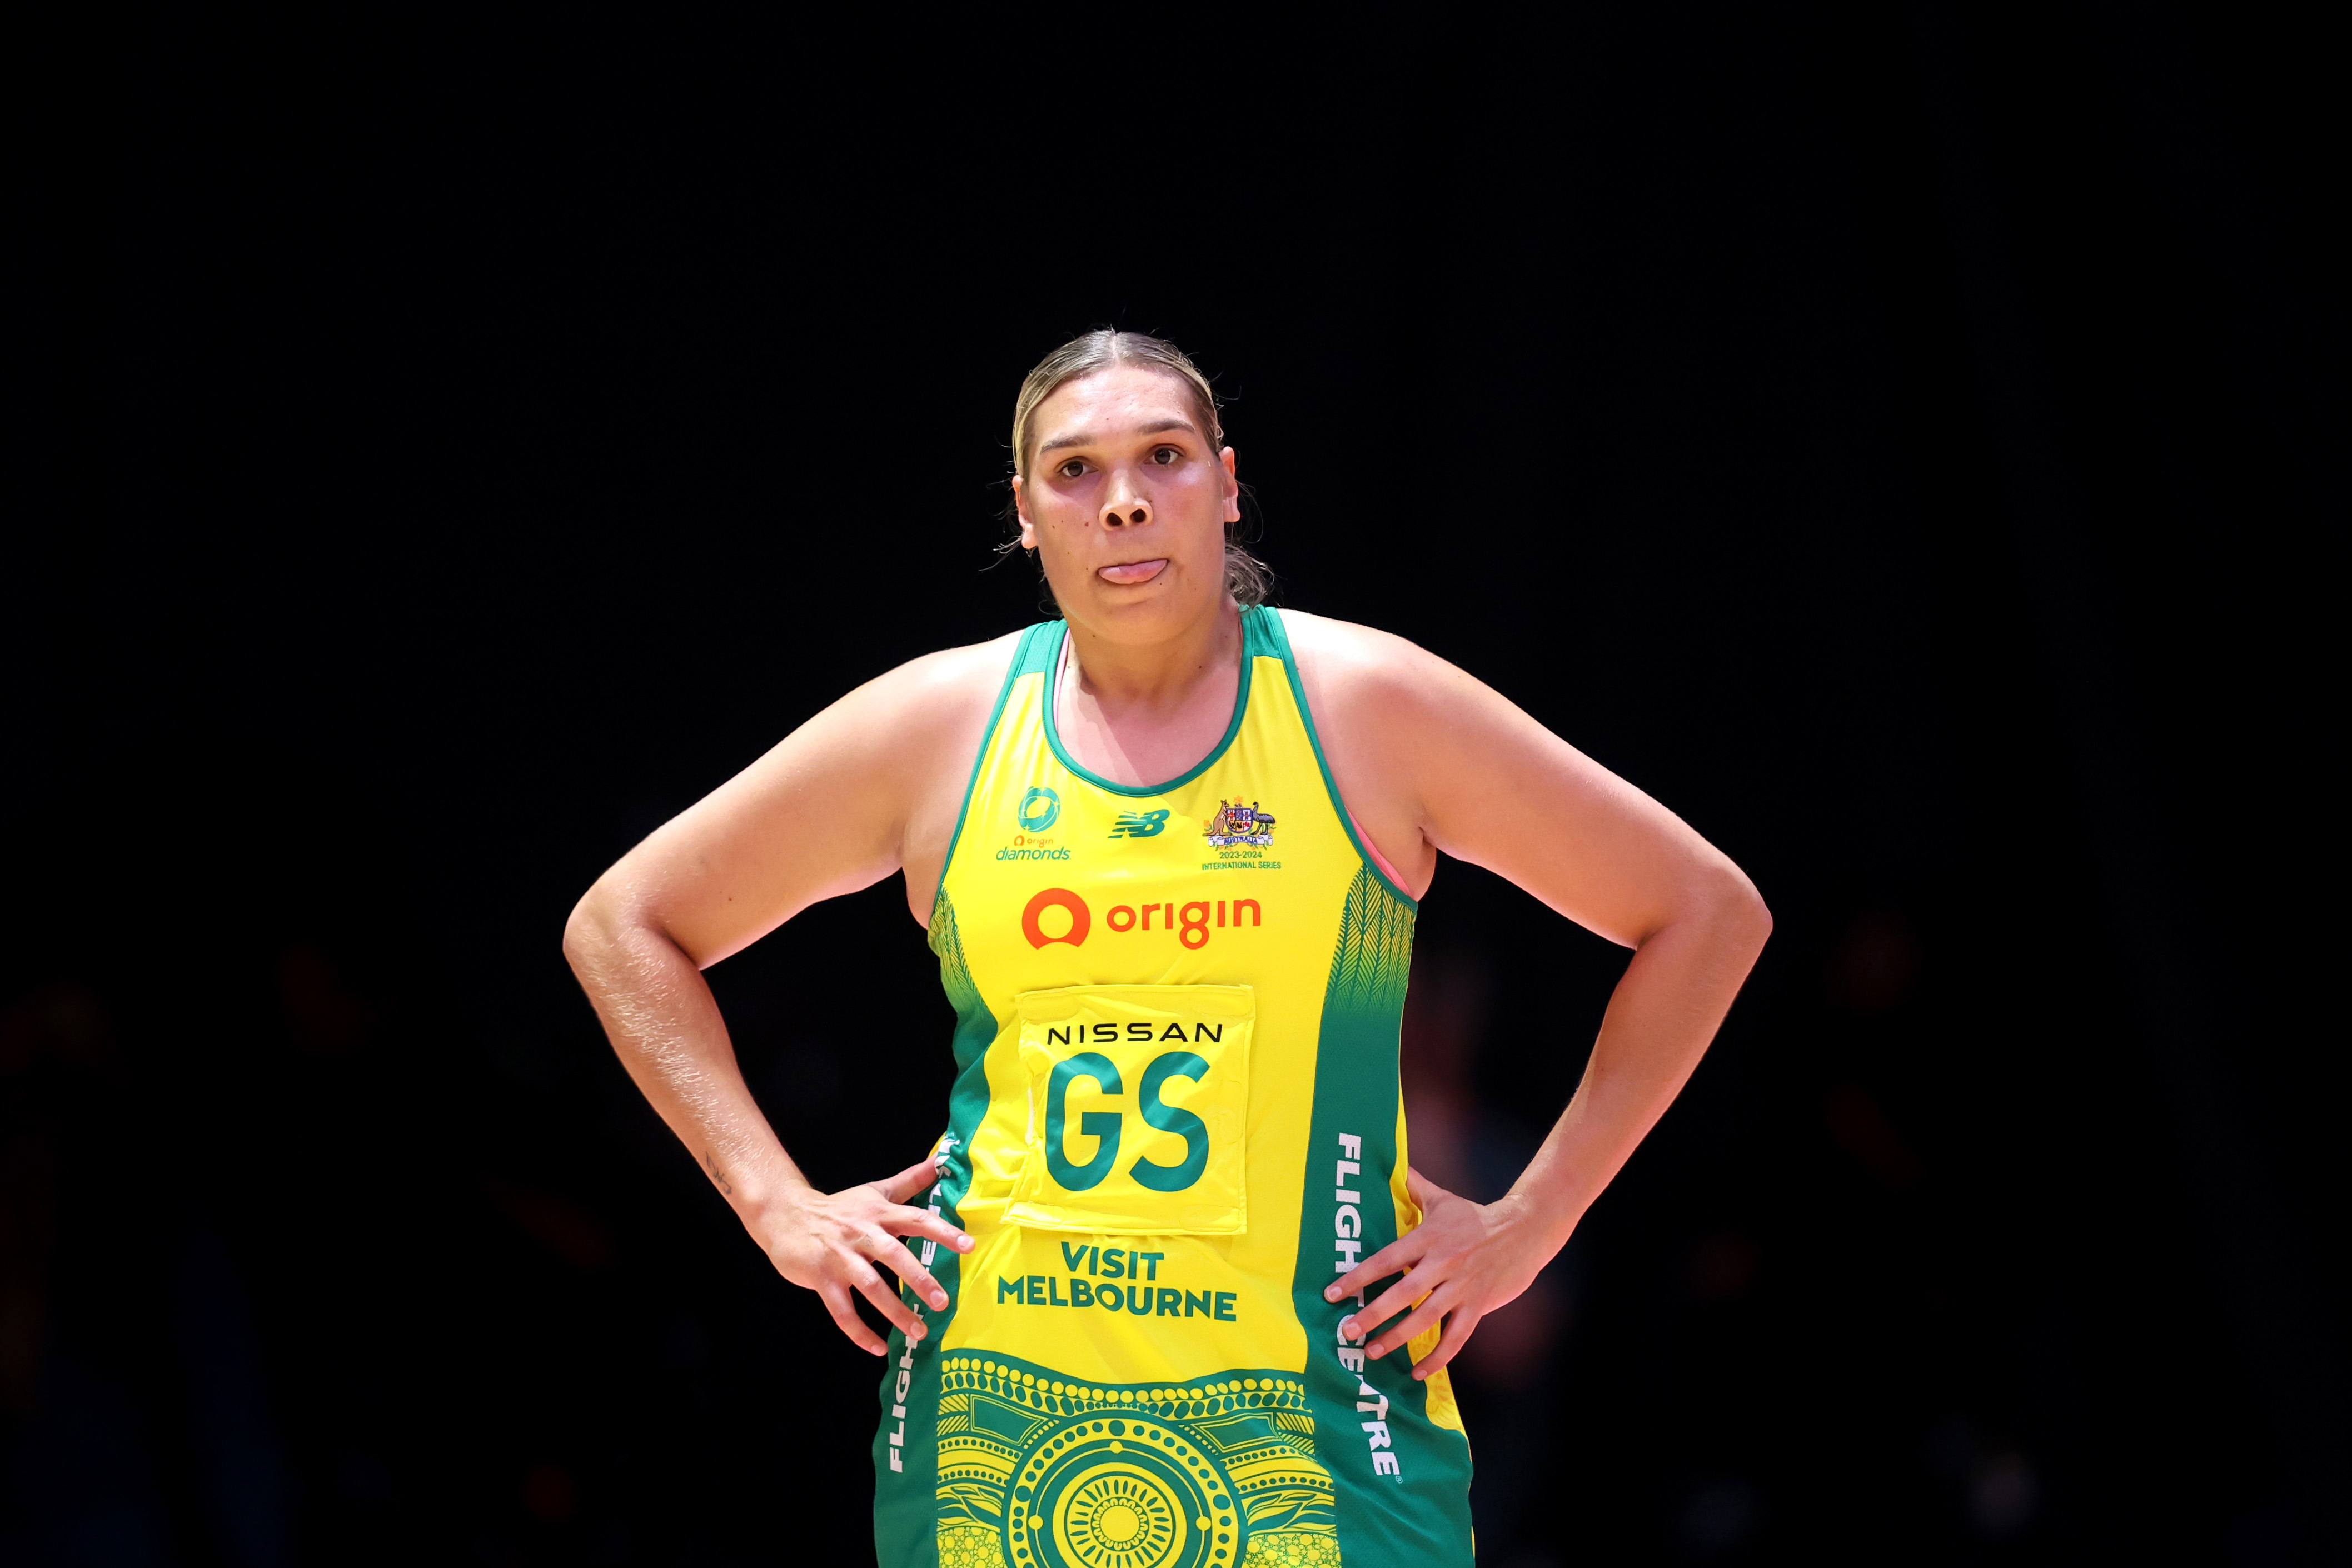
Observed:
{"x":1139,"y":825}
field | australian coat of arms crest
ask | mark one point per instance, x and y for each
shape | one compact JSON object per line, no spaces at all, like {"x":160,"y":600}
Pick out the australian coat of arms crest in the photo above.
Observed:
{"x":1234,"y":825}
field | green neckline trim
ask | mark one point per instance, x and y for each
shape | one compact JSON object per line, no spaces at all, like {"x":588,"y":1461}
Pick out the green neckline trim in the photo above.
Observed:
{"x":1281,"y":640}
{"x":1251,"y":647}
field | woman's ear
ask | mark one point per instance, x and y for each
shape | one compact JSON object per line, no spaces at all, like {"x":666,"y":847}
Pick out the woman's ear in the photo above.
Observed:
{"x":1233,"y":487}
{"x":1020,"y":510}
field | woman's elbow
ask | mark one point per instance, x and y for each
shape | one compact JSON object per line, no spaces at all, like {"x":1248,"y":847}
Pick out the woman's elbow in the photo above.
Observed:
{"x":1737,"y":910}
{"x":1712,"y":902}
{"x":588,"y":930}
{"x":1715,"y":897}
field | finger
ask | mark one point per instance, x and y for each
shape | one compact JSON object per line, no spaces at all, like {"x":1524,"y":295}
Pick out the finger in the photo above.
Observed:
{"x":1459,"y":1327}
{"x":1420,"y":1188}
{"x":1419,"y":1321}
{"x":1389,"y":1303}
{"x":904,"y":1221}
{"x":1394,"y":1258}
{"x":844,"y":1316}
{"x":909,"y":1268}
{"x":890,"y":1304}
{"x":910,"y":1181}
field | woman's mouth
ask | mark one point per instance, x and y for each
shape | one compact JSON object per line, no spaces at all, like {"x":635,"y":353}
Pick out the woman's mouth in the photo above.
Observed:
{"x":1134,"y":571}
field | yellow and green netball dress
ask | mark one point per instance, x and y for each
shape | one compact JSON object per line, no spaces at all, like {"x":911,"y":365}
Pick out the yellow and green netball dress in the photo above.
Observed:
{"x":1175,"y":1120}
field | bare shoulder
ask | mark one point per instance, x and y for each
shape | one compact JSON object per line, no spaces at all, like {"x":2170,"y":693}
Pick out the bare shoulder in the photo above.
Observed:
{"x":1348,"y":666}
{"x":865,"y":788}
{"x":881,"y":754}
{"x":937,"y":688}
{"x":898,"y":730}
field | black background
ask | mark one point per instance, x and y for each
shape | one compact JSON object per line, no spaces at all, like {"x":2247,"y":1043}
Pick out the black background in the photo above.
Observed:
{"x":1900,"y":439}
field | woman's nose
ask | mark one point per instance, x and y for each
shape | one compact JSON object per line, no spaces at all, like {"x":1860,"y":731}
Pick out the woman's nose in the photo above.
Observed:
{"x":1125,"y":509}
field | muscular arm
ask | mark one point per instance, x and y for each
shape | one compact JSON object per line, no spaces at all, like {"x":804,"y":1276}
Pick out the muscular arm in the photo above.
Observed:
{"x":866,"y":787}
{"x":1440,"y":761}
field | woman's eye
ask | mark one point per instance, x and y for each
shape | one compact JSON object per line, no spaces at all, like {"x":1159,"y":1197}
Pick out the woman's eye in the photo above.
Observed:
{"x":1071,"y":469}
{"x":1164,"y":456}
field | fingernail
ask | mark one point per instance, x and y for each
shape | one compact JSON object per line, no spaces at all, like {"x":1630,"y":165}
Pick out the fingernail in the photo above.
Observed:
{"x":963,"y":1243}
{"x":1348,"y":1327}
{"x":1330,"y":1292}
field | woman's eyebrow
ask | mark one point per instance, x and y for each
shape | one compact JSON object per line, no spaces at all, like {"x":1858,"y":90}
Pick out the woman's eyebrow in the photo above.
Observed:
{"x":1088,"y":438}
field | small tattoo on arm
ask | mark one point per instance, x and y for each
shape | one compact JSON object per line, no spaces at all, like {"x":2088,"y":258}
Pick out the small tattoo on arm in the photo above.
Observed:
{"x":717,"y":1175}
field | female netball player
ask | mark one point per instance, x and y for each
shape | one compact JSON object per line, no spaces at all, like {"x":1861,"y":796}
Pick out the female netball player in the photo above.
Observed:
{"x":1172,"y":1296}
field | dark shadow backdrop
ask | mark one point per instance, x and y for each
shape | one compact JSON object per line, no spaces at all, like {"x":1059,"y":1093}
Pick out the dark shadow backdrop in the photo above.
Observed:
{"x":1897,"y":440}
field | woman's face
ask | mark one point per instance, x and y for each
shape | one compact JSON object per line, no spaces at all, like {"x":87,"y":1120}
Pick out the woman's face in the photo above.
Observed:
{"x":1126,"y":503}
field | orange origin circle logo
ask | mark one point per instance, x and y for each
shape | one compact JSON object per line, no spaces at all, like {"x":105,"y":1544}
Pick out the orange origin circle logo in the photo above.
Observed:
{"x":1079,"y":918}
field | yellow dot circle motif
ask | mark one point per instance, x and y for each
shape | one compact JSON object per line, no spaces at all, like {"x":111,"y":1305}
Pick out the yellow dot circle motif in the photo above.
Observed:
{"x":1118,"y":1516}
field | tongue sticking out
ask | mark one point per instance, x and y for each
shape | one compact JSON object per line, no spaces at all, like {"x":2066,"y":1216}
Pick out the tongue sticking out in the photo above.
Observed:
{"x":1133,"y":571}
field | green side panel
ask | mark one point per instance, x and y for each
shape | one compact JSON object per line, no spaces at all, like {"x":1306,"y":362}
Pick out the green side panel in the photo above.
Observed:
{"x":955,"y":977}
{"x":1420,"y":1516}
{"x":1371,"y":960}
{"x":906,"y":1499}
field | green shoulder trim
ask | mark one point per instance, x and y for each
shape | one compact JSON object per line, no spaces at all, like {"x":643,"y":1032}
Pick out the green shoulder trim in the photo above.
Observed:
{"x":1040,"y":646}
{"x":1278,"y":641}
{"x":1024,"y":661}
